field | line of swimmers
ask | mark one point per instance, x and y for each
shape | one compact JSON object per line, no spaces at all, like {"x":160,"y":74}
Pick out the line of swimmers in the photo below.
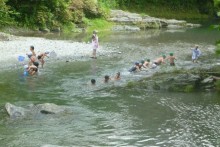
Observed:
{"x":148,"y":64}
{"x":107,"y":79}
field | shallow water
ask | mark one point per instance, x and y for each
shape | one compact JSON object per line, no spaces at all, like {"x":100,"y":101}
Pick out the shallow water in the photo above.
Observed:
{"x":112,"y":114}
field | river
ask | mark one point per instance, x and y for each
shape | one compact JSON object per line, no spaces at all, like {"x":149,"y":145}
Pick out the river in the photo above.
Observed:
{"x":113,"y":114}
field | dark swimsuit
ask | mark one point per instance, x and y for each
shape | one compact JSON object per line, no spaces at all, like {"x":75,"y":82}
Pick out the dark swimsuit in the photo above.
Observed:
{"x":36,"y":64}
{"x":39,"y":57}
{"x":133,"y":69}
{"x":172,"y":64}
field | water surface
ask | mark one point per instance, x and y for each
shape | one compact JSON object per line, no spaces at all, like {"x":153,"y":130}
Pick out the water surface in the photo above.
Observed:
{"x":113,"y":114}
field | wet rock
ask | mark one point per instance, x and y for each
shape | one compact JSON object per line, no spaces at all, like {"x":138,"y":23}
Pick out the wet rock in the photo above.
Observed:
{"x":208,"y":80}
{"x":49,"y":108}
{"x":126,"y":28}
{"x":6,"y":37}
{"x":143,"y":22}
{"x":15,"y":111}
{"x":46,"y":108}
{"x":44,"y":30}
{"x":56,"y":30}
{"x":49,"y":145}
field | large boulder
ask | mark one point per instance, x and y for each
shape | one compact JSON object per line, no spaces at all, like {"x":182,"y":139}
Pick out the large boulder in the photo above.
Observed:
{"x":49,"y":108}
{"x":46,"y":108}
{"x":145,"y":21}
{"x":15,"y":111}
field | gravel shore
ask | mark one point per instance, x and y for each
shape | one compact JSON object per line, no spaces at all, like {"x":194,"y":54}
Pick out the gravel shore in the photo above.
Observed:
{"x":11,"y":49}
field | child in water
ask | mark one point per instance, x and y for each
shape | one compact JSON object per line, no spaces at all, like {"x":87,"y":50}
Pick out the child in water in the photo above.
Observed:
{"x":93,"y":82}
{"x":95,"y":44}
{"x":41,"y":56}
{"x":196,"y":53}
{"x":117,"y":76}
{"x":146,"y":64}
{"x":135,"y":68}
{"x":160,"y":60}
{"x":171,"y":58}
{"x":106,"y":79}
{"x":33,"y":69}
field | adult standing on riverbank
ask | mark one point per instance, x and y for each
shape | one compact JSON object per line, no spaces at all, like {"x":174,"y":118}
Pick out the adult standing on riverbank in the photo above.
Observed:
{"x":95,"y":44}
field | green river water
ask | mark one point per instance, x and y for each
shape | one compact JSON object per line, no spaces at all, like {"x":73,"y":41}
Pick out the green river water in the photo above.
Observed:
{"x":112,"y":114}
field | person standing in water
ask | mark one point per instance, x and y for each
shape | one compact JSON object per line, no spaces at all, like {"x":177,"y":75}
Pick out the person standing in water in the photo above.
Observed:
{"x":171,"y":58}
{"x":32,"y":55}
{"x":95,"y":44}
{"x":196,"y":53}
{"x":41,"y":56}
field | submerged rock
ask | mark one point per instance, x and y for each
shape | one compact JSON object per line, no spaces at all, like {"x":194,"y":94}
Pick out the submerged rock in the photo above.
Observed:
{"x":49,"y":108}
{"x":15,"y":111}
{"x":126,"y":28}
{"x":46,"y":108}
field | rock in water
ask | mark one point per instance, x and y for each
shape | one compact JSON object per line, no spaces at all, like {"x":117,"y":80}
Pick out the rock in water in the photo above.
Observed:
{"x":49,"y":108}
{"x":14,"y":111}
{"x":49,"y":145}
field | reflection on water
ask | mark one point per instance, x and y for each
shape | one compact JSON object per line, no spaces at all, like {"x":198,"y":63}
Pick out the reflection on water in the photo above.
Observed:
{"x":111,"y":114}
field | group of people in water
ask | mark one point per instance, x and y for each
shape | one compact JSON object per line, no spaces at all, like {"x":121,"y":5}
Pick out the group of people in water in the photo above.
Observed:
{"x":32,"y":67}
{"x":35,"y":60}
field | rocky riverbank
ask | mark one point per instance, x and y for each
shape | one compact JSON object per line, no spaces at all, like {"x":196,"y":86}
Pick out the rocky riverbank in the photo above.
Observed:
{"x":182,"y":80}
{"x":136,"y":22}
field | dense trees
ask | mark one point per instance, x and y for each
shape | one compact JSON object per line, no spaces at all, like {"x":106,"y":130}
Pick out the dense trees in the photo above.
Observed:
{"x":58,"y":13}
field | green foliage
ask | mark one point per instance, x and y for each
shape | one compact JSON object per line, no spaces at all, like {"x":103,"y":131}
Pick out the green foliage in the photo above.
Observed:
{"x":5,"y":18}
{"x":189,"y":88}
{"x":217,"y":84}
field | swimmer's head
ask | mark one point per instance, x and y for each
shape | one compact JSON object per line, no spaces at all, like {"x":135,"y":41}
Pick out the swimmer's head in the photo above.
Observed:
{"x":142,"y":61}
{"x":106,"y":78}
{"x":136,"y":63}
{"x":196,"y":46}
{"x":164,"y":56}
{"x":32,"y":47}
{"x":25,"y":66}
{"x":148,"y":60}
{"x":47,"y":52}
{"x":118,"y":74}
{"x":93,"y":81}
{"x":171,"y":54}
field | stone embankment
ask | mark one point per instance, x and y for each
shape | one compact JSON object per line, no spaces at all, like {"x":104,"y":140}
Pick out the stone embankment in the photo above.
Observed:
{"x":136,"y":22}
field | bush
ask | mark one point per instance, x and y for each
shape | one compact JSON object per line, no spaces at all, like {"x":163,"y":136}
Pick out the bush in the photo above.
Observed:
{"x":5,"y":18}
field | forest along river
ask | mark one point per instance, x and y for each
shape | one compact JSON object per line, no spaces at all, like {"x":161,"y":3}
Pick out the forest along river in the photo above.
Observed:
{"x":111,"y":114}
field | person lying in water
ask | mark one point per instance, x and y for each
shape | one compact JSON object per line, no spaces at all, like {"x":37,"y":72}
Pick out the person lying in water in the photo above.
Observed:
{"x":172,"y":59}
{"x":33,"y":69}
{"x":135,"y":68}
{"x":117,"y":76}
{"x":147,"y":64}
{"x":41,"y":57}
{"x":160,"y":60}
